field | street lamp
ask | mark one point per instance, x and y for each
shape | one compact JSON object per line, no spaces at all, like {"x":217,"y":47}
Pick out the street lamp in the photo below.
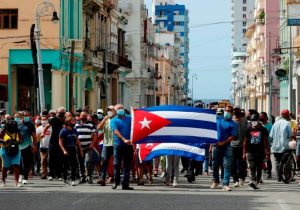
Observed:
{"x":43,"y":9}
{"x":193,"y":76}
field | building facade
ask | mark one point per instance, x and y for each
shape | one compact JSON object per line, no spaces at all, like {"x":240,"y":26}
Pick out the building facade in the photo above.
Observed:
{"x":18,"y":71}
{"x":175,"y":18}
{"x":241,"y":15}
{"x":260,"y":90}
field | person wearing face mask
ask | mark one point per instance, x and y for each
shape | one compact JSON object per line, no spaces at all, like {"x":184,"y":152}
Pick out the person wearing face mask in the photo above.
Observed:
{"x":239,"y":166}
{"x":222,"y":150}
{"x":281,"y":134}
{"x":87,"y":135}
{"x":28,"y":146}
{"x":54,"y":151}
{"x":68,"y":142}
{"x":123,"y":150}
{"x":108,"y":142}
{"x":44,"y":145}
{"x":256,"y":149}
{"x":263,"y":118}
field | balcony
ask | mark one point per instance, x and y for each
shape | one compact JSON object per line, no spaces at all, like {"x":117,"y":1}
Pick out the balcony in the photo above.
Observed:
{"x":179,"y":18}
{"x":163,"y":17}
{"x":123,"y":61}
{"x":67,"y":43}
{"x":259,"y":7}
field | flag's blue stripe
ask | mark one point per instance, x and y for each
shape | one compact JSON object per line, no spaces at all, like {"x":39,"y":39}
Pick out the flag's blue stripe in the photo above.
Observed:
{"x":192,"y":124}
{"x":181,"y":153}
{"x":179,"y":109}
{"x":176,"y":139}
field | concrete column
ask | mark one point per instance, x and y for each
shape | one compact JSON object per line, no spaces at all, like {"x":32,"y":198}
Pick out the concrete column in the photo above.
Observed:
{"x":58,"y":89}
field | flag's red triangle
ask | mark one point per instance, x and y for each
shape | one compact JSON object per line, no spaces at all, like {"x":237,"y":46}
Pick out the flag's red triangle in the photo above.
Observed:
{"x":146,"y":123}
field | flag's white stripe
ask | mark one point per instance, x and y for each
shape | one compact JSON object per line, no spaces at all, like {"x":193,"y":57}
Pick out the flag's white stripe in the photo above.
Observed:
{"x":186,"y":115}
{"x":182,"y":147}
{"x":185,"y":131}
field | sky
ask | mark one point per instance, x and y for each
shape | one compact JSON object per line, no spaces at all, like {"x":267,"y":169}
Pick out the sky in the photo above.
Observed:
{"x":210,"y":47}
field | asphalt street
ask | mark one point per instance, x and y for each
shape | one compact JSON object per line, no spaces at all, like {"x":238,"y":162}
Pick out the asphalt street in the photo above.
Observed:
{"x":44,"y":195}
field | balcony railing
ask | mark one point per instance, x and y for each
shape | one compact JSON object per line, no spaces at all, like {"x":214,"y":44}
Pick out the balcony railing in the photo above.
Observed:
{"x":123,"y":61}
{"x":67,"y":43}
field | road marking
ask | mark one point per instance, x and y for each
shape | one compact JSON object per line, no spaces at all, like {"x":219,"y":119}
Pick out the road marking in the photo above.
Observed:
{"x":283,"y":204}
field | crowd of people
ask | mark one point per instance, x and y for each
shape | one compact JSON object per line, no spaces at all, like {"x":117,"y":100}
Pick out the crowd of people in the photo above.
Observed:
{"x":89,"y":145}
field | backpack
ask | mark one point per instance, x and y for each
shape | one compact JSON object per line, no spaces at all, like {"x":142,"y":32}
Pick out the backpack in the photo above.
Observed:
{"x":12,"y":146}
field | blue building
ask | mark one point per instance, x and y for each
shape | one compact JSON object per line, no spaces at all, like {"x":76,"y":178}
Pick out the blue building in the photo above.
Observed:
{"x":175,"y":18}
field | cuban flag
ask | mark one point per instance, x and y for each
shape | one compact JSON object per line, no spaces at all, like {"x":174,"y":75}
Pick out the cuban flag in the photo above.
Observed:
{"x":192,"y":151}
{"x":173,"y":124}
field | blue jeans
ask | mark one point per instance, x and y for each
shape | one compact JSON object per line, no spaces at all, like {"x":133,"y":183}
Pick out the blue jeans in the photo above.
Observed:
{"x":122,"y":154}
{"x":222,"y":153}
{"x":107,"y":153}
{"x":206,"y":161}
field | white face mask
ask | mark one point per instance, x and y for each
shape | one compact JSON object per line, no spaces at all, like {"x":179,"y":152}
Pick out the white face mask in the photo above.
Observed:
{"x":44,"y":123}
{"x":254,"y":123}
{"x":110,"y":113}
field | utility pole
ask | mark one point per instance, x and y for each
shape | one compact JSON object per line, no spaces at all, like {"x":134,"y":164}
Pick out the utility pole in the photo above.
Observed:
{"x":71,"y":101}
{"x":270,"y":81}
{"x":291,"y":98}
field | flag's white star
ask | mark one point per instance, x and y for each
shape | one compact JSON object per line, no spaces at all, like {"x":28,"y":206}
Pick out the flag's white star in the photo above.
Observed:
{"x":145,"y":123}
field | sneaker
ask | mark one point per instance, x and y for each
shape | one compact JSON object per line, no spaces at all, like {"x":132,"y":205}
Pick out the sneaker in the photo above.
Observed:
{"x":101,"y":182}
{"x":253,"y":184}
{"x":214,"y":185}
{"x":241,"y":182}
{"x":236,"y":184}
{"x":3,"y":184}
{"x":20,"y":178}
{"x":50,"y":178}
{"x":127,"y":188}
{"x":73,"y":183}
{"x":226,"y":188}
{"x":175,"y":183}
{"x":19,"y":185}
{"x":82,"y":180}
{"x":60,"y":179}
{"x":163,"y":174}
{"x":114,"y":186}
{"x":43,"y":177}
{"x":24,"y":181}
{"x":89,"y":180}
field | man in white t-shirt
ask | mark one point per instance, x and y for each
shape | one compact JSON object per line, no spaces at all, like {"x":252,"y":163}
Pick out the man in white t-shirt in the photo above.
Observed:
{"x":44,"y":145}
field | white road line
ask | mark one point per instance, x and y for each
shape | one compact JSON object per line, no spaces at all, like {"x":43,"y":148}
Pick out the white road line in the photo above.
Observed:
{"x":283,"y":204}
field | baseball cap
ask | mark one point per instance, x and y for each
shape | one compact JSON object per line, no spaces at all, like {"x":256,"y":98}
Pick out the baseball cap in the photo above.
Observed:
{"x":285,"y":112}
{"x":100,"y":111}
{"x":111,"y":107}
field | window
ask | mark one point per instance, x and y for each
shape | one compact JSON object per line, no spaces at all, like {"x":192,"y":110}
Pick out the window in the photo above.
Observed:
{"x":8,"y":18}
{"x":244,"y":8}
{"x":244,"y":30}
{"x":244,"y":23}
{"x":244,"y":1}
{"x":244,"y":16}
{"x":156,"y":67}
{"x":161,"y":13}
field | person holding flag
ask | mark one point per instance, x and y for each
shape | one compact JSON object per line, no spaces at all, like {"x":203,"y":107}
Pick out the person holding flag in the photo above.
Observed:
{"x":123,"y":150}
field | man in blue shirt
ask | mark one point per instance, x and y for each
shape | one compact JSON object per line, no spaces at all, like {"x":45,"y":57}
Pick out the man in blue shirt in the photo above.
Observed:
{"x":123,"y":150}
{"x":227,"y":132}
